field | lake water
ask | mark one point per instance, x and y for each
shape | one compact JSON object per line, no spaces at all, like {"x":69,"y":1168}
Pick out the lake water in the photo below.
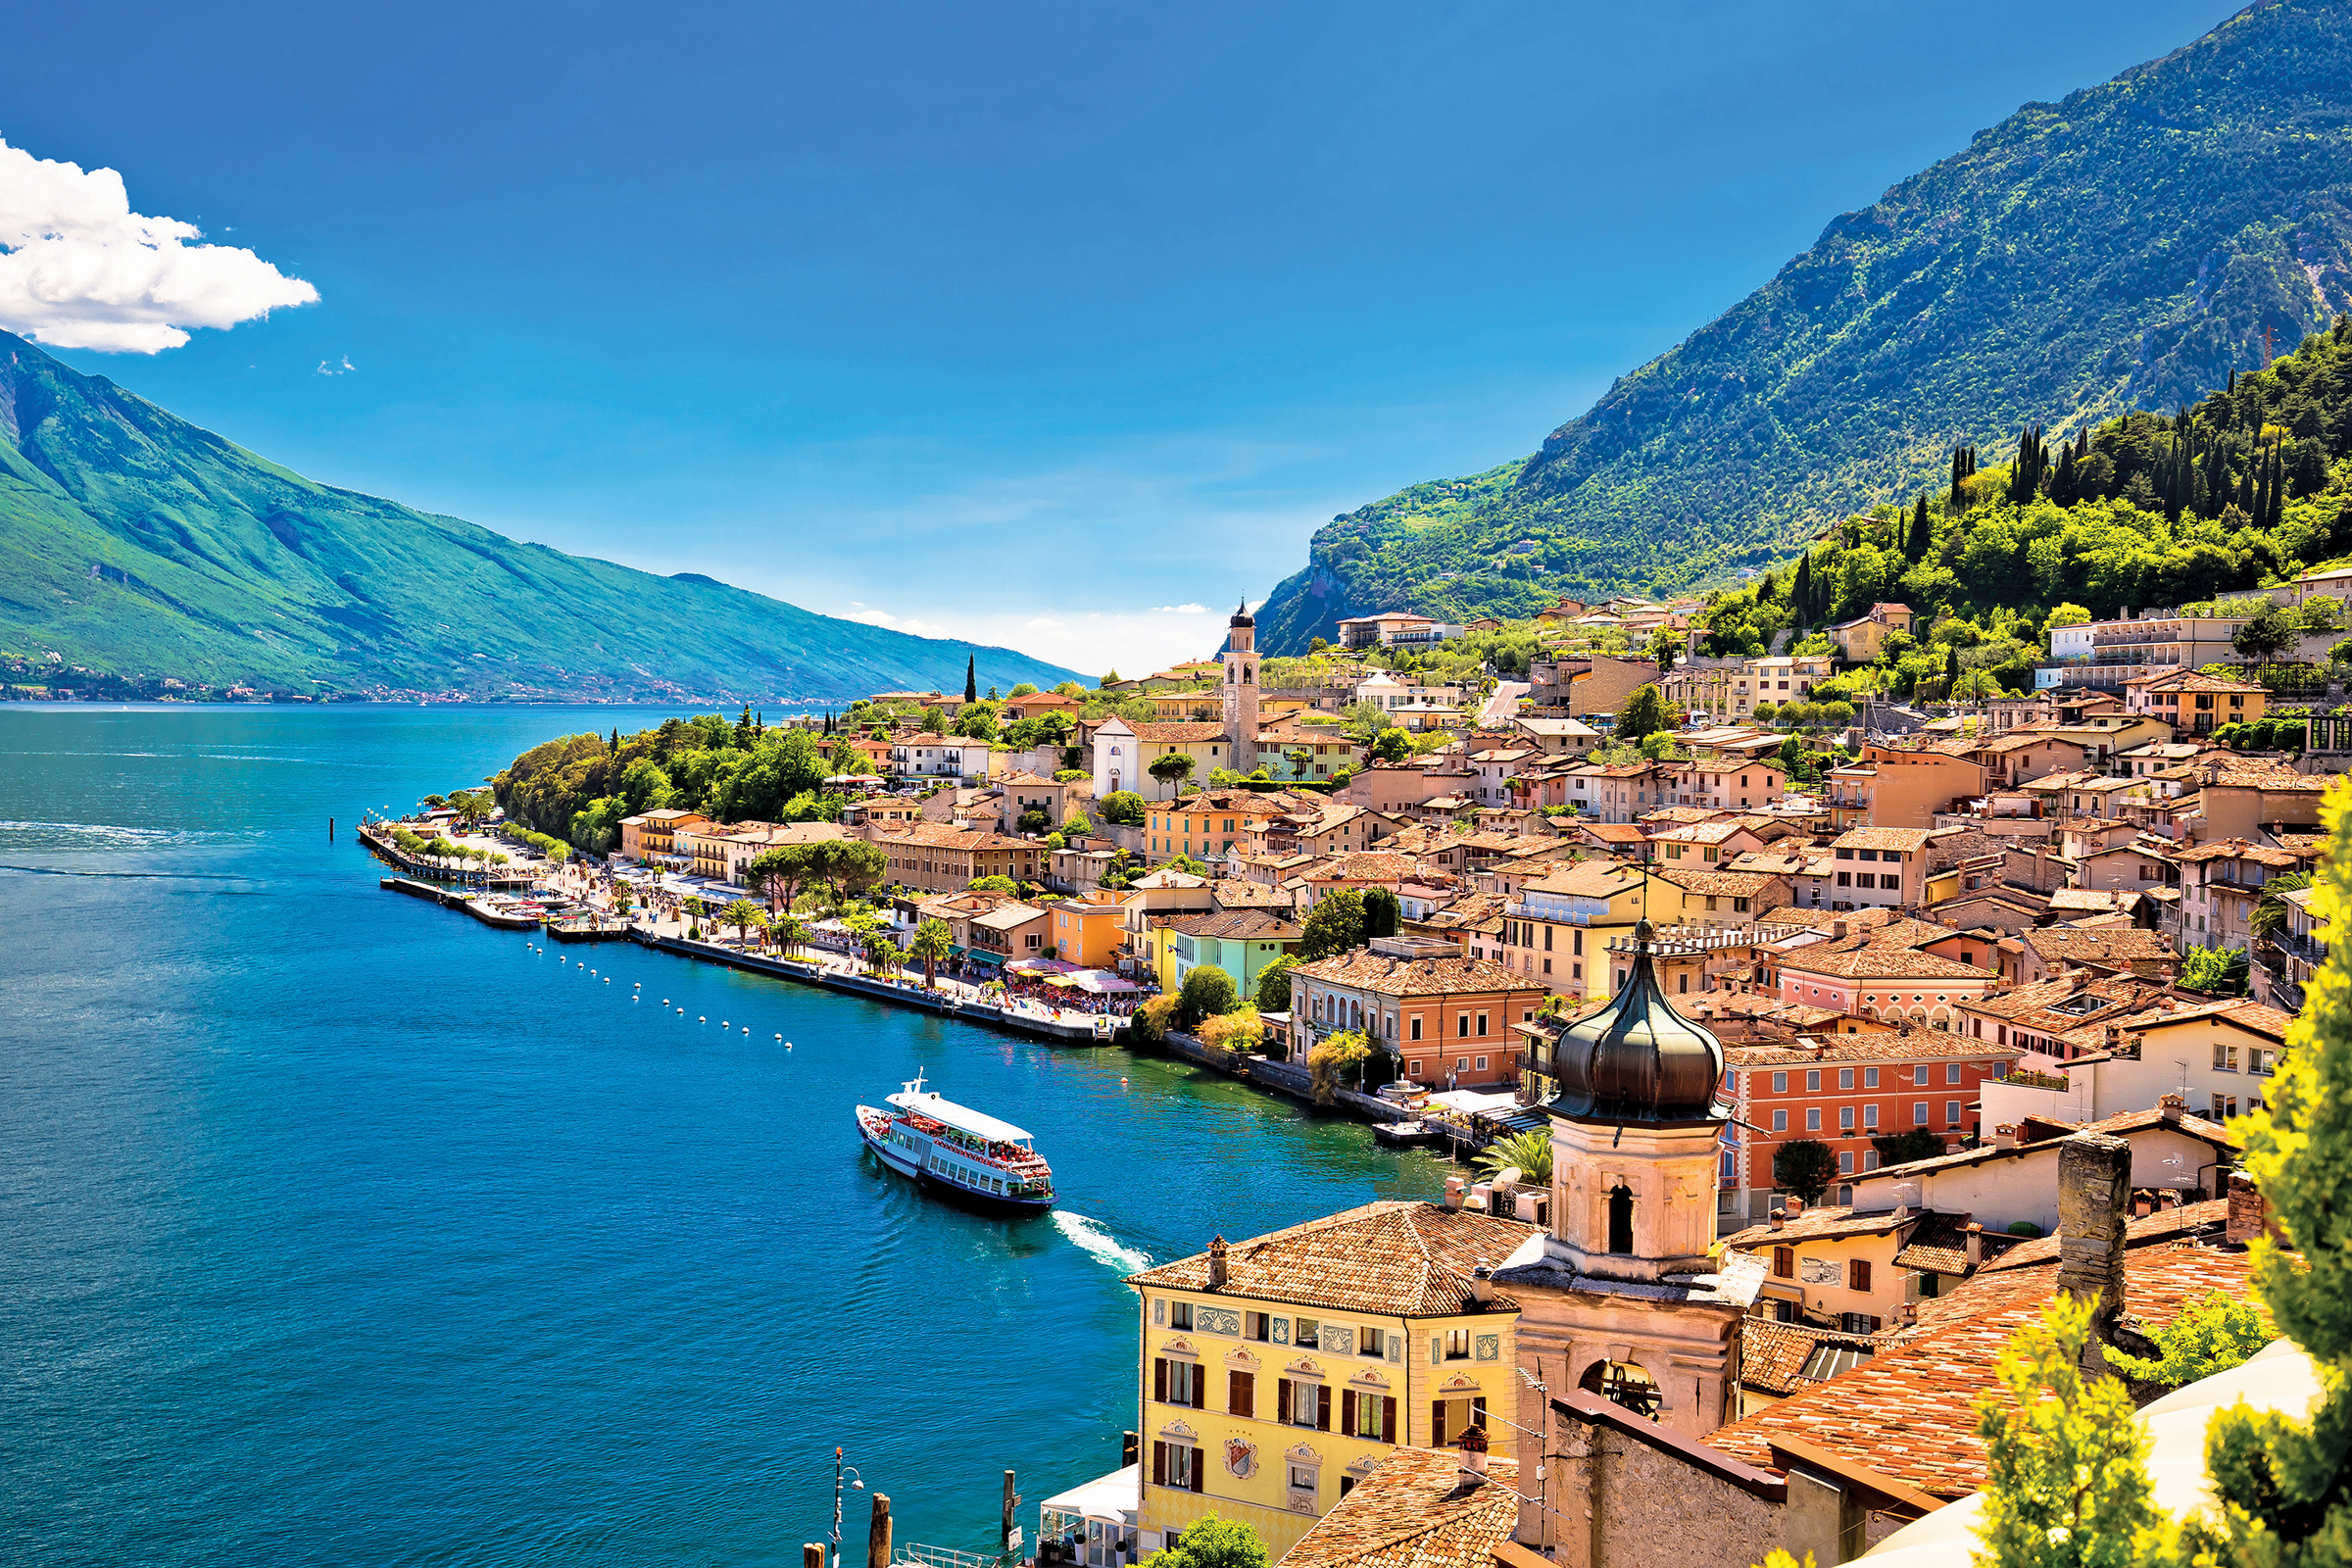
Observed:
{"x":338,"y":1228}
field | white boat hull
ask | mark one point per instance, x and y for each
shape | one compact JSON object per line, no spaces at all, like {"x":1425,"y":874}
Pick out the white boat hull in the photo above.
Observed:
{"x":909,"y":1153}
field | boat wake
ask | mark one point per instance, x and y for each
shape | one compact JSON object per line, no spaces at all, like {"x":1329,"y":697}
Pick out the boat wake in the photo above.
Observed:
{"x":1092,"y":1240}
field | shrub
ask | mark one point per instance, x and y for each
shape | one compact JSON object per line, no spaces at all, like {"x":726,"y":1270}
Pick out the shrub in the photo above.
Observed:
{"x":1208,"y":993}
{"x":1328,"y":1062}
{"x":2025,"y":1228}
{"x":2206,"y":1337}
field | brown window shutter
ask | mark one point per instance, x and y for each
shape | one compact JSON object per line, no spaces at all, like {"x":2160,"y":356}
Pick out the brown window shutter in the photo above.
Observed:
{"x":1347,"y":1411}
{"x":1436,"y":1423}
{"x":1242,"y":1397}
{"x":1281,"y":1401}
{"x":1388,"y":1419}
{"x":1159,"y":1380}
{"x":1160,"y":1464}
{"x":1200,"y":1470}
{"x":1323,"y":1409}
{"x":1199,"y":1388}
{"x":1477,"y":1411}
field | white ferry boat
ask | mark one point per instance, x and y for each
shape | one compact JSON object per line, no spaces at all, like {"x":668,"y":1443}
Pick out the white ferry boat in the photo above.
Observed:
{"x":963,"y":1152}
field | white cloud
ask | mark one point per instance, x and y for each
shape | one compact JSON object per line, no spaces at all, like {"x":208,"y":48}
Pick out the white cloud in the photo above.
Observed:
{"x":890,"y":622}
{"x":80,"y":270}
{"x":1131,"y":640}
{"x":331,"y":367}
{"x":1180,"y":609}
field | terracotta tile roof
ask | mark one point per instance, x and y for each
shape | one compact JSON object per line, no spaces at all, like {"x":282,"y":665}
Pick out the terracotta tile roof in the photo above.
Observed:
{"x":1233,"y":893}
{"x":945,"y":836}
{"x":1009,"y":917}
{"x":1239,"y":925}
{"x":1362,"y":969}
{"x":1176,"y":733}
{"x":2074,"y":943}
{"x":1926,"y":1045}
{"x":2188,"y":680}
{"x":1416,"y":1510}
{"x":1369,"y":865}
{"x":2120,"y":1126}
{"x":1403,"y":1259}
{"x":1909,"y":1411}
{"x":1721,"y":884}
{"x":2240,"y":1010}
{"x":1882,"y":838}
{"x":1939,"y":1246}
{"x":1875,"y":961}
{"x":2188,"y":1219}
{"x":1819,"y":1224}
{"x":1773,"y":1355}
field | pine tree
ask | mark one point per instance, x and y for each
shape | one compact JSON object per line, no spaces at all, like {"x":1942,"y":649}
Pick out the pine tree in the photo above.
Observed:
{"x":1765,"y":589}
{"x":971,"y":678}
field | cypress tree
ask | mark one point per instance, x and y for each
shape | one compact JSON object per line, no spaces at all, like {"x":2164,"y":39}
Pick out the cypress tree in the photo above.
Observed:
{"x":1923,"y":538}
{"x":1951,"y":670}
{"x":971,"y":678}
{"x":1800,"y":598}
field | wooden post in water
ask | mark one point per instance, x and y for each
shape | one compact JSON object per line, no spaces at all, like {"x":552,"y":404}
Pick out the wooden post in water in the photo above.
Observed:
{"x":1011,"y":1500}
{"x":877,"y":1535}
{"x":812,"y":1555}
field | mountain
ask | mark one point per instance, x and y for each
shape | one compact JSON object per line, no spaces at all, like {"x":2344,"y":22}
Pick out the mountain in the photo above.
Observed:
{"x":136,"y":545}
{"x":2124,"y":249}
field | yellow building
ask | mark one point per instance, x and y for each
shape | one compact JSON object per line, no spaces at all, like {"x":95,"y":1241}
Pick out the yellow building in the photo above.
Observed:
{"x":1089,"y":932}
{"x":1278,"y":1372}
{"x":1212,"y":823}
{"x":1557,"y":932}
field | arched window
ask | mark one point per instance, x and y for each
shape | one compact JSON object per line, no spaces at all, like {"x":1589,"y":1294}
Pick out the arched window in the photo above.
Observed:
{"x":1621,"y":1219}
{"x":1622,"y":1383}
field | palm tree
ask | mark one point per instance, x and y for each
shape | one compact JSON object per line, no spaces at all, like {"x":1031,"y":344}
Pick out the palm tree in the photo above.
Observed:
{"x":742,"y":915}
{"x":789,"y":932}
{"x":1530,"y":1151}
{"x":933,"y":941}
{"x":2270,"y":909}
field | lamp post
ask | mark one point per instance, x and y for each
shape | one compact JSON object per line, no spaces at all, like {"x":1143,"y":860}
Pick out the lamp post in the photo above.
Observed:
{"x":857,"y":1483}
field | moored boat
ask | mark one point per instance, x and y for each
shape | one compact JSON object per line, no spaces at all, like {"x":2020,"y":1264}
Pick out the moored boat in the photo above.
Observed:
{"x":966,"y":1153}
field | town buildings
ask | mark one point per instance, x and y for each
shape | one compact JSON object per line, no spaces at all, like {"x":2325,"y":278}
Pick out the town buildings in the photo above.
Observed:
{"x":1437,"y":1018}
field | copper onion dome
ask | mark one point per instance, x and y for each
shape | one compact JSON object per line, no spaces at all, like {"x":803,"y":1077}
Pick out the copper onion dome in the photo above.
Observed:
{"x":1637,"y":1060}
{"x":1242,"y":615}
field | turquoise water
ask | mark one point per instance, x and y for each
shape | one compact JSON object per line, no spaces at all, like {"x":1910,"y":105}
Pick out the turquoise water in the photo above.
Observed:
{"x":335,"y":1227}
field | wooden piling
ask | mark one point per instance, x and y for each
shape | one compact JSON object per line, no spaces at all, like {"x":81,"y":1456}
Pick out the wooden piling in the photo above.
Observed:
{"x":877,"y":1535}
{"x":812,"y":1555}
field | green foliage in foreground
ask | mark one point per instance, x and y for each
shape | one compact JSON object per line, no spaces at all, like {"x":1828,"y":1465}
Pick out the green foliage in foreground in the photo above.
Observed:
{"x":2206,"y":1337}
{"x":579,"y":787}
{"x":1209,"y":1541}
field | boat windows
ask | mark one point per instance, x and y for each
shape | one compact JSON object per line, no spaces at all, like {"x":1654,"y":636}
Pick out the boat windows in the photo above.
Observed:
{"x":1180,"y":1315}
{"x":1308,"y":1336}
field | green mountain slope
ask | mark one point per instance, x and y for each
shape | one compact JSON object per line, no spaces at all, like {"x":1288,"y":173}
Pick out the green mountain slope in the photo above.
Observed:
{"x":135,"y":544}
{"x":2122,"y":249}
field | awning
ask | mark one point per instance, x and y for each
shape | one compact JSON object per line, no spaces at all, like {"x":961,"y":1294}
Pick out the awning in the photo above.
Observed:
{"x":1041,"y":966}
{"x":1101,"y":982}
{"x":1113,"y":1498}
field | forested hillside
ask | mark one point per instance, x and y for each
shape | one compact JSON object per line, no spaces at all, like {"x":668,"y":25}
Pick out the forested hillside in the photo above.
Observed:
{"x":2125,"y":248}
{"x":134,"y":544}
{"x":2247,"y":488}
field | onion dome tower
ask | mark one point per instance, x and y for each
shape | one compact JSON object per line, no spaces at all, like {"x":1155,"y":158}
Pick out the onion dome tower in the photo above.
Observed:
{"x":1240,"y":688}
{"x":1636,"y":1124}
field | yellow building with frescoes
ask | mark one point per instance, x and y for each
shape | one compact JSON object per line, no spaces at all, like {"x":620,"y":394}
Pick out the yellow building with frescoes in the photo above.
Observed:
{"x":1277,"y":1372}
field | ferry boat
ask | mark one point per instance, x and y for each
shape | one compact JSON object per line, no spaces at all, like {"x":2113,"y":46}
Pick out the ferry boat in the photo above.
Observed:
{"x":963,"y":1152}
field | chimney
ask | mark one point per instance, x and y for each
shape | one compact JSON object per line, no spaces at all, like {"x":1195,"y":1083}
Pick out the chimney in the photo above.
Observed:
{"x":1838,"y":930}
{"x":2170,"y":1106}
{"x":1454,"y":1195}
{"x":1976,"y":1244}
{"x":2010,"y":1135}
{"x":1216,"y":1263}
{"x":1779,"y":1218}
{"x":2095,"y":1183}
{"x":1795,"y":1206}
{"x":1482,"y":1283}
{"x":2248,"y":1212}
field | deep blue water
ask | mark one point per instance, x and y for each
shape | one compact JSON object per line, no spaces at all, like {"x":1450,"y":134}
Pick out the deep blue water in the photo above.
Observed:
{"x":335,"y":1227}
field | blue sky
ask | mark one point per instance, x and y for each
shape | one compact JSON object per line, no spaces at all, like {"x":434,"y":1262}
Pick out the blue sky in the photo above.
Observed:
{"x":1031,"y":323}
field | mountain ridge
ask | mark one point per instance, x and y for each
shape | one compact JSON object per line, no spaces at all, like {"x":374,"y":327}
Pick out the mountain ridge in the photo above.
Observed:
{"x":2121,"y":248}
{"x":135,"y":543}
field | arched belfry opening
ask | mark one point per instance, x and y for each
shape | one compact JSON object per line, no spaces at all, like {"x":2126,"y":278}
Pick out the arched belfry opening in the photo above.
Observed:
{"x":1625,"y":1383}
{"x":1621,"y":1219}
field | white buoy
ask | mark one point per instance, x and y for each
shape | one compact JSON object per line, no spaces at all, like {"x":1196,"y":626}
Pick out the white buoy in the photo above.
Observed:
{"x":699,"y":1017}
{"x":779,"y":1037}
{"x":747,"y":1028}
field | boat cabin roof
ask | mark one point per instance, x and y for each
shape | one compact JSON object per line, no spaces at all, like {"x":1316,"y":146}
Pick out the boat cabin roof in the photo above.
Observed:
{"x":962,"y":1118}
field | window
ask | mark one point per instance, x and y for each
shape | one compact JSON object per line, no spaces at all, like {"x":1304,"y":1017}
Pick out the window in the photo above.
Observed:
{"x":1306,"y":1405}
{"x":1371,"y":1343}
{"x":1951,"y":1072}
{"x":1846,"y":1163}
{"x":1309,"y":1335}
{"x":2224,"y":1107}
{"x":1952,"y":1113}
{"x":1812,"y":1118}
{"x":1919,"y":1074}
{"x":1846,"y":1077}
{"x":1813,"y":1082}
{"x":1482,"y":1064}
{"x":1784,"y":1262}
{"x":1780,"y":1121}
{"x":2262,"y":1063}
{"x":1181,"y":1469}
{"x":1845,"y":1118}
{"x":2224,"y":1058}
{"x":1413,"y":1069}
{"x":1482,"y":1023}
{"x":1417,"y":1031}
{"x":1870,"y":1159}
{"x":1462,"y":1064}
{"x":1846,"y":879}
{"x":1870,"y":1116}
{"x":1457,"y":1345}
{"x":1919,"y":1113}
{"x":1858,"y":1323}
{"x":1461,"y":1026}
{"x":1857,"y":1275}
{"x":1180,"y":1315}
{"x":1779,"y":1083}
{"x":1870,"y":1077}
{"x":1302,"y":1478}
{"x":1183,"y":1378}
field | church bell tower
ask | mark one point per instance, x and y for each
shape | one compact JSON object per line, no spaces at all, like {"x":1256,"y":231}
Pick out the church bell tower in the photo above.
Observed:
{"x":1241,"y":688}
